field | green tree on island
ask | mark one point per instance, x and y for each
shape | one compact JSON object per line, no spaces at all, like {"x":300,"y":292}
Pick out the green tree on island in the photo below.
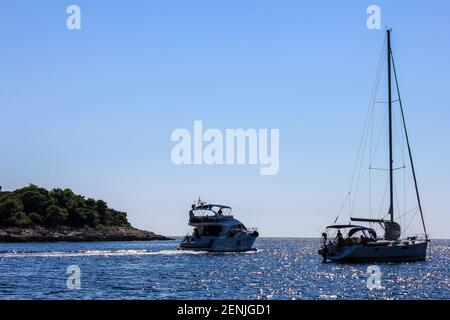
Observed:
{"x":32,"y":206}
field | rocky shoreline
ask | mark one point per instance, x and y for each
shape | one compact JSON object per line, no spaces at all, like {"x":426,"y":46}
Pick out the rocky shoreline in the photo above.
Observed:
{"x":67,"y":234}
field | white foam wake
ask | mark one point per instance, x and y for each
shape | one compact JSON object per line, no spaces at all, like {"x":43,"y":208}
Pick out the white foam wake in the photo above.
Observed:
{"x":87,"y":253}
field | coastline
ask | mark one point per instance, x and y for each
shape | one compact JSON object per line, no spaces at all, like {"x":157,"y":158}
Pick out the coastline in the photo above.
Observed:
{"x":68,"y":234}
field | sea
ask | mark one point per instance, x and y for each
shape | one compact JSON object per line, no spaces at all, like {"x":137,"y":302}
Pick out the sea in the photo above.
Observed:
{"x":281,"y":268}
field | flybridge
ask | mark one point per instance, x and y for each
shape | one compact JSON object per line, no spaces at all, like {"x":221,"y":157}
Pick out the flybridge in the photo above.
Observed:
{"x":235,"y":147}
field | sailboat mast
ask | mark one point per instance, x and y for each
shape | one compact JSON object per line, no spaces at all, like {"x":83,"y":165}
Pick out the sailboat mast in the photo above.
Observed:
{"x":391,"y":170}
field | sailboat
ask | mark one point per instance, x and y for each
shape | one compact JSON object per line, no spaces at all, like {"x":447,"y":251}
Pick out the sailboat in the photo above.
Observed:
{"x":359,"y":242}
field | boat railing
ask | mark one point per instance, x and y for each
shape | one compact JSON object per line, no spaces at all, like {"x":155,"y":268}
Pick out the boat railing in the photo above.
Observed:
{"x":209,"y":218}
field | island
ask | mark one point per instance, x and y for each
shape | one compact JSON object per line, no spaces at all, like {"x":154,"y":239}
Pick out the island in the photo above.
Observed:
{"x":35,"y":214}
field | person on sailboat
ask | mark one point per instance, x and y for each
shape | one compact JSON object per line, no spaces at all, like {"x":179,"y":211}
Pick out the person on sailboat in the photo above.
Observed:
{"x":339,"y":237}
{"x":324,"y":237}
{"x":363,"y":239}
{"x":325,"y":248}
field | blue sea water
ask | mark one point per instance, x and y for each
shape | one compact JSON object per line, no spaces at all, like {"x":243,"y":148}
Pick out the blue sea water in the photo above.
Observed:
{"x":280,"y":269}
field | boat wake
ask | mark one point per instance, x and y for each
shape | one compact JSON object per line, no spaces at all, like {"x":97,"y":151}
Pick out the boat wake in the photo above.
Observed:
{"x":106,"y":253}
{"x":88,"y":253}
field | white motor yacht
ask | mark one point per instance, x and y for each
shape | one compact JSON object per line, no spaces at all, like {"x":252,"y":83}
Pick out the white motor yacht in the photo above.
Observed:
{"x":216,"y":230}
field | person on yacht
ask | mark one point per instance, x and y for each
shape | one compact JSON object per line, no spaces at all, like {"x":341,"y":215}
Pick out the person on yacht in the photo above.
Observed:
{"x":363,"y":239}
{"x":339,"y":237}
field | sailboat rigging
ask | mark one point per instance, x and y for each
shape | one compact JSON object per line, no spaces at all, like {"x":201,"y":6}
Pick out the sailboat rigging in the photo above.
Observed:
{"x":368,"y":246}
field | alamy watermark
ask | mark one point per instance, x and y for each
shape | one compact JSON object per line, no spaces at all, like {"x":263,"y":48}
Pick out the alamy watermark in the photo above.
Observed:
{"x":374,"y":19}
{"x":74,"y":278}
{"x":73,"y":21}
{"x":234,"y":147}
{"x":374,"y":277}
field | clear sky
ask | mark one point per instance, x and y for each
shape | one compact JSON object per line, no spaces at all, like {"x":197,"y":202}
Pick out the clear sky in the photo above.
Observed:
{"x":93,"y":109}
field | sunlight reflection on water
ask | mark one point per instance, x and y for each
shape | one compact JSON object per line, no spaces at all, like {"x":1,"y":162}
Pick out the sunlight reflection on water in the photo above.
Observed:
{"x":280,"y":269}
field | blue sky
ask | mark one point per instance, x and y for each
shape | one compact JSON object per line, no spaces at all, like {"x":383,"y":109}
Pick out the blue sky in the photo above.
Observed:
{"x":93,"y":109}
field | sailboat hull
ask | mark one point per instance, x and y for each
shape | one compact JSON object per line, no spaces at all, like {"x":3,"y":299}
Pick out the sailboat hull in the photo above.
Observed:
{"x":380,"y":251}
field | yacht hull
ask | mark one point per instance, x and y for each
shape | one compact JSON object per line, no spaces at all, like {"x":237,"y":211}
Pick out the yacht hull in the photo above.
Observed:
{"x":219,"y":244}
{"x":385,"y":252}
